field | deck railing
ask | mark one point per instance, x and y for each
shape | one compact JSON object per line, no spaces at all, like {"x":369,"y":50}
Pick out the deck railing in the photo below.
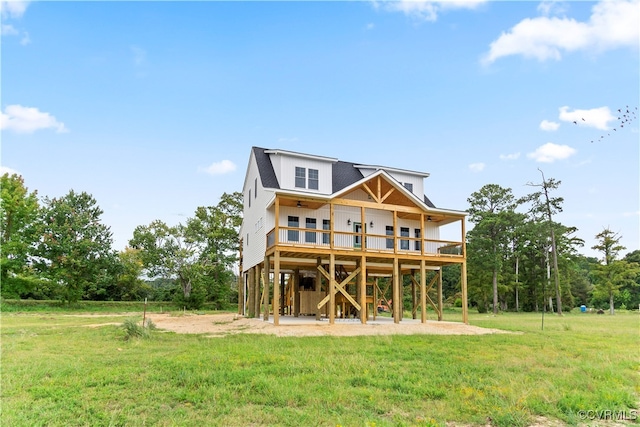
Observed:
{"x":344,"y":240}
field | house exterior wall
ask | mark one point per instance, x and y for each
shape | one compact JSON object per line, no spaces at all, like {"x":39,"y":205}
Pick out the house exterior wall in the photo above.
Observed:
{"x":255,"y":222}
{"x":285,"y":167}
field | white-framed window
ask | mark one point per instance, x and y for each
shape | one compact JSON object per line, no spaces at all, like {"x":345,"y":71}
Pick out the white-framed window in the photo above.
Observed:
{"x":310,"y":236}
{"x":404,"y":244}
{"x":255,"y":190}
{"x":249,"y":197}
{"x":293,"y":235}
{"x":408,"y":186}
{"x":389,"y":232}
{"x":313,"y":179}
{"x":326,"y":225}
{"x":301,"y":177}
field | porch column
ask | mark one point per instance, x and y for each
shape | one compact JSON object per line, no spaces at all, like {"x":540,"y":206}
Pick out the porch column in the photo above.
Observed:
{"x":396,"y":291}
{"x":332,"y":289}
{"x":463,"y":282}
{"x":423,"y":292}
{"x":375,"y":298}
{"x":317,"y":289}
{"x":276,"y":288}
{"x":414,"y":296}
{"x":440,"y":304}
{"x":266,"y":291}
{"x":251,"y":297}
{"x":296,"y":292}
{"x":363,"y":289}
{"x":257,"y":271}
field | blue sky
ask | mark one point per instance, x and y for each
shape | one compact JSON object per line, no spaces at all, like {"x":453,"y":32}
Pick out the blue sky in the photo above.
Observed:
{"x":152,"y":107}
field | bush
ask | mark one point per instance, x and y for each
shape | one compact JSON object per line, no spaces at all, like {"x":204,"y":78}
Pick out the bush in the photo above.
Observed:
{"x":134,"y":330}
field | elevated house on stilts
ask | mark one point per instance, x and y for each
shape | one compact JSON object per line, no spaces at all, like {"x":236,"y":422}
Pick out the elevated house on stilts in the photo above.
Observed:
{"x":318,"y":235}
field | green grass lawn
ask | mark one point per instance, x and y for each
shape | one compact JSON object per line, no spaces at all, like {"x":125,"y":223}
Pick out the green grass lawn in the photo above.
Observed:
{"x":58,"y":371}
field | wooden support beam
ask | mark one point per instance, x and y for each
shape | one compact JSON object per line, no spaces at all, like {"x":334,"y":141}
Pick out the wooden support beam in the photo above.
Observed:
{"x":265,"y":289}
{"x":331,"y":224}
{"x":251,"y":293}
{"x":257,"y":291}
{"x":276,"y":288}
{"x":363,"y":229}
{"x":363,"y":289}
{"x":463,"y":281}
{"x":463,"y":275}
{"x":414,"y":296}
{"x":423,"y":292}
{"x":318,"y":286}
{"x":397,"y":302}
{"x":296,"y":292}
{"x":375,"y":297}
{"x":388,"y":193}
{"x":428,"y":299}
{"x":340,"y":287}
{"x":379,"y":189}
{"x":332,"y":285}
{"x":440,"y":302}
{"x":395,"y":233}
{"x":370,"y":193}
{"x":277,"y":215}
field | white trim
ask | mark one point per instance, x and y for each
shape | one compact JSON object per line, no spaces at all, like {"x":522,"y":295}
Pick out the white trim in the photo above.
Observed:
{"x":278,"y":151}
{"x":377,"y":168}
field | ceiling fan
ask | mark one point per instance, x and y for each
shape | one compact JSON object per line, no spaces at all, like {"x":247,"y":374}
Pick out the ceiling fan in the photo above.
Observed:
{"x":301,"y":205}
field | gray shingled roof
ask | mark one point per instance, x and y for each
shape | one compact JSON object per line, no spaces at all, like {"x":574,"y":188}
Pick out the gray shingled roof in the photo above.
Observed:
{"x":343,"y":173}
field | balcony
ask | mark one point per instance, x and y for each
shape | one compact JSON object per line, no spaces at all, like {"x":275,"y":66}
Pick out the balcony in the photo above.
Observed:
{"x":292,"y":237}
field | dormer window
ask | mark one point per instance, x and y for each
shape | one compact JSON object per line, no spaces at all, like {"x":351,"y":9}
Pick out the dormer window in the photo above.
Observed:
{"x":408,"y":186}
{"x":313,"y":179}
{"x":301,"y":178}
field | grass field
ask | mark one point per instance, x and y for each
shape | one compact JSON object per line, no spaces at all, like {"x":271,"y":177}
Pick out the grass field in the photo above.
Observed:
{"x":58,"y":371}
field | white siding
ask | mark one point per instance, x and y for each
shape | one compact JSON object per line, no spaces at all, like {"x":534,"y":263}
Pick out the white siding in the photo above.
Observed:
{"x":255,"y":222}
{"x":287,"y":171}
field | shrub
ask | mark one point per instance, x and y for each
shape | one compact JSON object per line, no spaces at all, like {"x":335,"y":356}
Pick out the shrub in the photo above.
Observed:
{"x":134,"y":330}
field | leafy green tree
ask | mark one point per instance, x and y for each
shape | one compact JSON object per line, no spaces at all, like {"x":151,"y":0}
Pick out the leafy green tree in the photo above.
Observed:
{"x":545,"y":207}
{"x":18,"y":214}
{"x":612,"y":274}
{"x":74,"y":250}
{"x":492,"y":212}
{"x":129,"y":285}
{"x":633,"y":289}
{"x":168,"y":252}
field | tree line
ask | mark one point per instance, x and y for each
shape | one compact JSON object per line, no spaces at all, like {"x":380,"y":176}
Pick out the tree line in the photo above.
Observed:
{"x":59,"y":248}
{"x":519,"y":258}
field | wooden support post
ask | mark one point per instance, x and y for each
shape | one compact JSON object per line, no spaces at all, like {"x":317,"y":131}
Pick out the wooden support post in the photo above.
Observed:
{"x":363,"y":289}
{"x":296,"y":292}
{"x":332,"y":289}
{"x":463,"y":274}
{"x":332,"y":225}
{"x":251,"y":291}
{"x":241,"y":297}
{"x":276,"y":230}
{"x":463,"y":281}
{"x":414,"y":296}
{"x":375,"y":298}
{"x":257,"y":291}
{"x":397,"y":303}
{"x":318,"y":287}
{"x":276,"y":288}
{"x":265,"y":290}
{"x":423,"y":292}
{"x":440,"y":303}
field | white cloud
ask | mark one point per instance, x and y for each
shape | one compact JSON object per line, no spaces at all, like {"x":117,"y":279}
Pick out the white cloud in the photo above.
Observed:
{"x":13,"y":8}
{"x":370,"y":26}
{"x":550,"y":152}
{"x":630,"y":214}
{"x":612,"y":24}
{"x":426,"y":10}
{"x":476,"y":167}
{"x":9,"y":30}
{"x":552,"y":7}
{"x":595,"y":117}
{"x":220,"y":168}
{"x":4,"y":169}
{"x":21,"y":119}
{"x":514,"y":156}
{"x":549,"y":126}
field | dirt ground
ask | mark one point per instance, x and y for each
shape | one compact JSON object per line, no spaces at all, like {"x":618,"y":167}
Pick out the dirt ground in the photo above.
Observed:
{"x":218,"y":325}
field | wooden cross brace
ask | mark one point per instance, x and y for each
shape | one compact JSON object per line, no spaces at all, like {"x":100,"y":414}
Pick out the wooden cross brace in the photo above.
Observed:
{"x":413,"y":279}
{"x":339,"y":287}
{"x":390,"y":305}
